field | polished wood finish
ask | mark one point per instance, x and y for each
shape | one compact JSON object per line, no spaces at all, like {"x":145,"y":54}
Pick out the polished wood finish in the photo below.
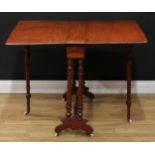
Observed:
{"x":75,"y":121}
{"x":74,"y":53}
{"x":44,"y":32}
{"x":27,"y":77}
{"x":129,"y":78}
{"x":86,"y":92}
{"x":69,"y":89}
{"x":106,"y":115}
{"x":76,"y":35}
{"x":80,"y":90}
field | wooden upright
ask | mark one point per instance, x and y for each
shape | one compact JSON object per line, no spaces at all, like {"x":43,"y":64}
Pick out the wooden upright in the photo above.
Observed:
{"x":74,"y":116}
{"x":76,"y":35}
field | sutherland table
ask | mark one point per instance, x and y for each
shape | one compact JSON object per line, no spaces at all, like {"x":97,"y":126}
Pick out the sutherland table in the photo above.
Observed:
{"x":76,"y":35}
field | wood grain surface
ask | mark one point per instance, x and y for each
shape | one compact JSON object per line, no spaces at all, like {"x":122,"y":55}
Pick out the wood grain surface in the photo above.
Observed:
{"x":43,"y":32}
{"x":107,"y":115}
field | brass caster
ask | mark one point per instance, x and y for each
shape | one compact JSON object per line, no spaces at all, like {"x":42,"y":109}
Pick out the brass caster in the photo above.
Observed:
{"x":91,"y":135}
{"x":130,"y":120}
{"x":56,"y":134}
{"x":26,"y":113}
{"x":63,"y":100}
{"x":93,"y":100}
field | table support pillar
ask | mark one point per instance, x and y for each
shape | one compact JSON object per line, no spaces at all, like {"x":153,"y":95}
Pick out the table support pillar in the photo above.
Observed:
{"x":69,"y":88}
{"x":86,"y":92}
{"x":27,"y":77}
{"x":129,"y":78}
{"x":75,"y":121}
{"x":80,"y":90}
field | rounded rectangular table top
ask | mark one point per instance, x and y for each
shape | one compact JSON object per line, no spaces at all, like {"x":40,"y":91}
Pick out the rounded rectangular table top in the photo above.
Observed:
{"x":46,"y":32}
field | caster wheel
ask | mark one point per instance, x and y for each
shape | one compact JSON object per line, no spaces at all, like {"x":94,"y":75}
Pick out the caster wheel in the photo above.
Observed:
{"x":93,"y":100}
{"x":63,"y":100}
{"x":56,"y":134}
{"x":130,"y":120}
{"x":91,"y":135}
{"x":26,"y":113}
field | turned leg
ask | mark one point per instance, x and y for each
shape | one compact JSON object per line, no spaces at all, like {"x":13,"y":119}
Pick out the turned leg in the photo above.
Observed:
{"x":74,"y":88}
{"x":69,"y":88}
{"x":78,"y":109}
{"x":65,"y":122}
{"x":86,"y":91}
{"x":80,"y":91}
{"x":27,"y":76}
{"x":129,"y":78}
{"x":74,"y":121}
{"x":88,"y":94}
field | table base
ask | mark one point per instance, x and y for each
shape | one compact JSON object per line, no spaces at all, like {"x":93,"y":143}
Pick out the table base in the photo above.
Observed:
{"x":74,"y":121}
{"x":74,"y":124}
{"x":87,"y":93}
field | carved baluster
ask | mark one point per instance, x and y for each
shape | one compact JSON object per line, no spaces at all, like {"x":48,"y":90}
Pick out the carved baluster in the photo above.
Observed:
{"x":69,"y":88}
{"x":76,"y":122}
{"x":80,"y":90}
{"x":74,"y":89}
{"x":27,"y":76}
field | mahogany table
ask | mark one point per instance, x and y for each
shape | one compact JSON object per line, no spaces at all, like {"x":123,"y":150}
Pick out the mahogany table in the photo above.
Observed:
{"x":76,"y":35}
